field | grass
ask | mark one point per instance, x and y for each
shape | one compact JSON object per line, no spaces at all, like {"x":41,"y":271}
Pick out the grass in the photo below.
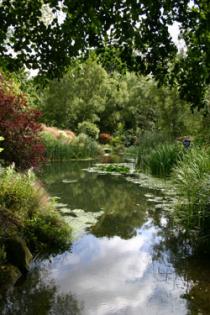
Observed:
{"x":80,"y":147}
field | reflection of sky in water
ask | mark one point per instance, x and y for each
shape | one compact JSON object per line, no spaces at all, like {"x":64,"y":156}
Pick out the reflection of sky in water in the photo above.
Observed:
{"x":116,"y":276}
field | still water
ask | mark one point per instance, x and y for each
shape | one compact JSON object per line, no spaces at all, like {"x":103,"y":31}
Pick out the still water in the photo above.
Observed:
{"x":125,"y":262}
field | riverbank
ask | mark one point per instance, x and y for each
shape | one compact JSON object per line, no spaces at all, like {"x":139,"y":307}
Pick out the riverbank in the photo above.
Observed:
{"x":30,"y":224}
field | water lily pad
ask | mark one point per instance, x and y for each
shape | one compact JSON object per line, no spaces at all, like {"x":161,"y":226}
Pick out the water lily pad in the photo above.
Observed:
{"x":61,"y":205}
{"x":149,"y":195}
{"x":81,"y":221}
{"x":155,"y":199}
{"x":69,"y":181}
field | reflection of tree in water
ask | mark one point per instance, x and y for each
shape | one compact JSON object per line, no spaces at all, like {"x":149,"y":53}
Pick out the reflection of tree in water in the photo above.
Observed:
{"x":56,"y":171}
{"x":121,"y":224}
{"x":194,"y":270}
{"x":121,"y":201}
{"x":35,"y":297}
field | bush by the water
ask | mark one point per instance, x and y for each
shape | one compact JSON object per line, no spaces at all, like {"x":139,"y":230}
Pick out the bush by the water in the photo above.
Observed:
{"x":27,"y":212}
{"x":192,"y":178}
{"x":80,"y":147}
{"x":105,"y":138}
{"x":20,"y":128}
{"x":89,"y":129}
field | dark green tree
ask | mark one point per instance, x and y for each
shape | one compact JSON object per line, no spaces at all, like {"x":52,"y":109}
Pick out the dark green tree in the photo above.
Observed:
{"x":138,"y":28}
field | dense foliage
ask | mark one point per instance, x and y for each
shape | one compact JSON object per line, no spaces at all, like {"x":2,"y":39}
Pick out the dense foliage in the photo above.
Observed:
{"x":125,"y":105}
{"x":89,"y":129}
{"x":20,"y":128}
{"x":48,"y":36}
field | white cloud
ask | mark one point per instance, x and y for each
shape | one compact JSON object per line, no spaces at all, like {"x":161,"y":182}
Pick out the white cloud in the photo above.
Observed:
{"x":116,"y":276}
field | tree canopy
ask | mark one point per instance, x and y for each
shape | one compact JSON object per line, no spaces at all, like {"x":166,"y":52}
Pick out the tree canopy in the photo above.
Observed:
{"x":138,"y":28}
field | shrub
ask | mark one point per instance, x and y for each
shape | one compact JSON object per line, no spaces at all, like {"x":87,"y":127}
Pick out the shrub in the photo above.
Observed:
{"x":26,"y":211}
{"x":89,"y":129}
{"x":47,"y":233}
{"x":20,"y":128}
{"x":117,"y":141}
{"x":163,"y":158}
{"x":85,"y":147}
{"x":105,"y":138}
{"x":16,"y":192}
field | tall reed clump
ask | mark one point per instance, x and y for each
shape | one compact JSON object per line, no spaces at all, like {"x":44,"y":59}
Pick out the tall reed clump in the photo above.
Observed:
{"x":163,"y":158}
{"x":27,"y":212}
{"x":80,"y":147}
{"x":192,"y":179}
{"x":146,"y":143}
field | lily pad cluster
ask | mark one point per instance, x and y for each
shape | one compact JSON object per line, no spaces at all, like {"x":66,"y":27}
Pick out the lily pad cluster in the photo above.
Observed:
{"x":79,"y":219}
{"x":115,"y":168}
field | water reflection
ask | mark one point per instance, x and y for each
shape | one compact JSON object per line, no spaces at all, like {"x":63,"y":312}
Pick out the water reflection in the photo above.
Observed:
{"x":38,"y":297}
{"x":117,"y":276}
{"x":130,"y":263}
{"x":89,"y":191}
{"x":123,"y":205}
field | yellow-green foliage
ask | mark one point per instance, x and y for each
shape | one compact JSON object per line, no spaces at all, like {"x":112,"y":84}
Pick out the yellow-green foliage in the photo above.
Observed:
{"x":17,"y":193}
{"x":89,"y":129}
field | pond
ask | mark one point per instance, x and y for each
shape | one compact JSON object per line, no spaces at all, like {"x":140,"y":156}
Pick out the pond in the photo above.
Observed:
{"x":124,"y":260}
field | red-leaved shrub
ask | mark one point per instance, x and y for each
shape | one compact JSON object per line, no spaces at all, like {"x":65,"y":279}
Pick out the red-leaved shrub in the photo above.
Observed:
{"x":20,"y":128}
{"x":105,"y":137}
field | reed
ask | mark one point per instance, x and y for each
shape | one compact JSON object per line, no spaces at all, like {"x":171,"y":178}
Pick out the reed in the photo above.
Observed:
{"x":163,"y":158}
{"x":192,"y":179}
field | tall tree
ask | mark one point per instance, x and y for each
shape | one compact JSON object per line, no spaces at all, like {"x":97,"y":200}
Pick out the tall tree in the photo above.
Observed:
{"x":139,"y":28}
